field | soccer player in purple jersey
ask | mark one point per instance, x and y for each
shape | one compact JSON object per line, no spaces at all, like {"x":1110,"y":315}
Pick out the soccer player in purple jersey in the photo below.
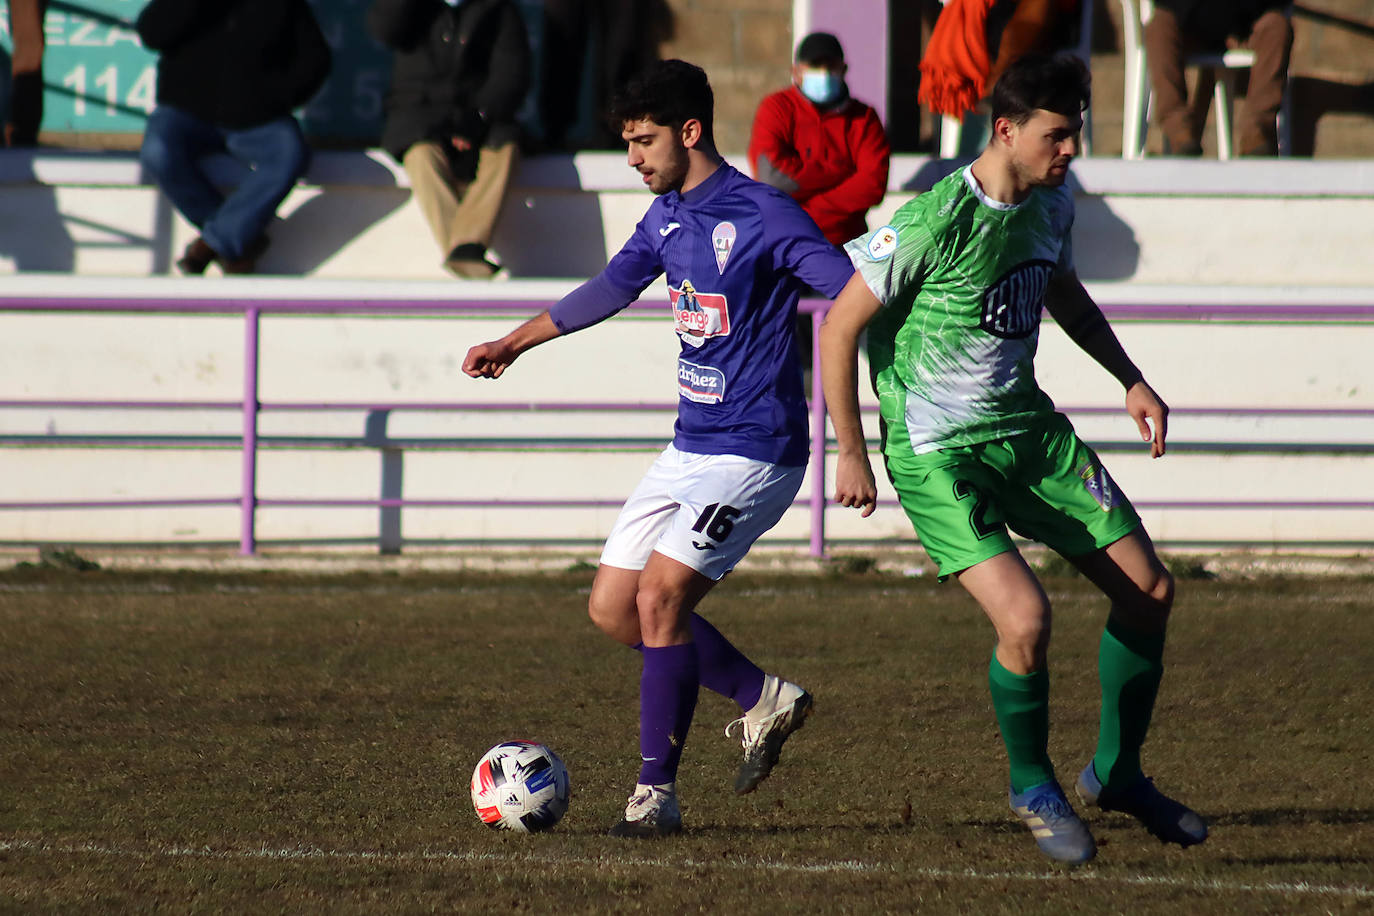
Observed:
{"x":737,"y":254}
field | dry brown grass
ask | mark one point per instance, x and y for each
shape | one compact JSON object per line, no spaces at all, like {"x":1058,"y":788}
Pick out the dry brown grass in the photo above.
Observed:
{"x":201,"y":743}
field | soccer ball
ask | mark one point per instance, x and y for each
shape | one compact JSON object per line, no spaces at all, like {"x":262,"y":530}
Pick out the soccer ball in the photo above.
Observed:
{"x":520,"y":786}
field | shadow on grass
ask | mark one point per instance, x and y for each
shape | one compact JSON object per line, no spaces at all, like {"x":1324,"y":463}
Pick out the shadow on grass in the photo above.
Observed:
{"x":1292,"y":817}
{"x":1297,"y":860}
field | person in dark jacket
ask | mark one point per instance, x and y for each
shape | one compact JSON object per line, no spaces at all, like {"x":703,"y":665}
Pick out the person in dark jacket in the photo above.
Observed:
{"x":459,"y":74}
{"x":26,"y":72}
{"x":229,"y":74}
{"x":1180,"y":26}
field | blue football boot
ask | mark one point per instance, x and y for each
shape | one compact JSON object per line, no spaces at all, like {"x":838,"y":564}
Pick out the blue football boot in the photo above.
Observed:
{"x":1057,"y":830}
{"x":1168,"y":820}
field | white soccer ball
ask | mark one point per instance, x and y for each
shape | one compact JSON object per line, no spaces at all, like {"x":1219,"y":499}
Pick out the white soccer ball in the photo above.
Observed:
{"x":520,"y":786}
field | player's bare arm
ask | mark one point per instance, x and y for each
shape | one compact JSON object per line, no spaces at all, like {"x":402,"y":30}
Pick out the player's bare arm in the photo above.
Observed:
{"x":1081,"y":319}
{"x":490,"y":359}
{"x":839,"y":344}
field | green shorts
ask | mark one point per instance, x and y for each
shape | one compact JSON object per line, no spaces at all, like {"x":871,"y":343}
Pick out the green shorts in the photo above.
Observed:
{"x":1044,"y":484}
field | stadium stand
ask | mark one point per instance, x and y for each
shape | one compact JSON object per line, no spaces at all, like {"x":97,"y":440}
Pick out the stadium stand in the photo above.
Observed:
{"x":1257,"y":327}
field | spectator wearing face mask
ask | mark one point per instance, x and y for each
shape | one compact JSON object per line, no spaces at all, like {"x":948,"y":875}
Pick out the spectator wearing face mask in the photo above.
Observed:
{"x":827,"y":150}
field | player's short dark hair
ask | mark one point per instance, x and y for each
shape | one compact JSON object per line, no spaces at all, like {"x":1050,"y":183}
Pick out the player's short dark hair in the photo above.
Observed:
{"x":1059,"y":83}
{"x":670,"y":93}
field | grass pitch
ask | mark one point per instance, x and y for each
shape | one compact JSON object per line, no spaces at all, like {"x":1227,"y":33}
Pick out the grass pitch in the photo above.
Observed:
{"x":197,"y":743}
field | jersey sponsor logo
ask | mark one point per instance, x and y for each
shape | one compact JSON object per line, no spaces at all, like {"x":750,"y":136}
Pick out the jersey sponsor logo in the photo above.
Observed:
{"x":1011,"y":306}
{"x":882,"y":243}
{"x":697,"y":317}
{"x":667,"y":230}
{"x":1097,"y":482}
{"x":702,"y":384}
{"x":722,"y":241}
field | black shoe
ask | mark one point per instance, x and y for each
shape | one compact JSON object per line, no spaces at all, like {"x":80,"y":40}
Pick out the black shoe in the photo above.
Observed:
{"x":469,"y":262}
{"x":1169,"y":821}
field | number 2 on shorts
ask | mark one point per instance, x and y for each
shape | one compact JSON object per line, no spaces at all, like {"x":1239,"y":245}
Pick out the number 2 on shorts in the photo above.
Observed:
{"x":977,"y":520}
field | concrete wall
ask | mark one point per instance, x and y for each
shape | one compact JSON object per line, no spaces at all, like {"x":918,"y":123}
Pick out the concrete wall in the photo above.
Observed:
{"x":1156,"y":221}
{"x":1225,"y":381}
{"x":83,"y":227}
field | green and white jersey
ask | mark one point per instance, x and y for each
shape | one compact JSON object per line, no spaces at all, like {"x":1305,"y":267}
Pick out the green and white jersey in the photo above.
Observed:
{"x":962,"y":280}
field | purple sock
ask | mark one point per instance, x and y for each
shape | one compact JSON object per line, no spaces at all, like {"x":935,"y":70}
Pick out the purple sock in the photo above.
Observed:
{"x":667,"y":699}
{"x":724,"y":669}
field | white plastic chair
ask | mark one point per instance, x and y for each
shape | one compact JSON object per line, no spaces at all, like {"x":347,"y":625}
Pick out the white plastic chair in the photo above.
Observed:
{"x":1222,"y":66}
{"x":952,"y":128}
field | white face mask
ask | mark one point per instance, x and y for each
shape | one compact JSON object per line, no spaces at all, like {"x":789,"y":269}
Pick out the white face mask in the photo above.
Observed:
{"x":822,"y":86}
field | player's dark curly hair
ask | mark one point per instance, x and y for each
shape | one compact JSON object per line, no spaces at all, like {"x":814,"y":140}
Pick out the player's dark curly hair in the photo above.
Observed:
{"x":668,"y":92}
{"x":1059,"y":83}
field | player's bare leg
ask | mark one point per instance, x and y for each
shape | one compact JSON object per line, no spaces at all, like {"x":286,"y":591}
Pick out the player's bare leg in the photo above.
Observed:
{"x":1015,"y":602}
{"x":1130,"y":666}
{"x":612,"y":605}
{"x":1018,"y":678}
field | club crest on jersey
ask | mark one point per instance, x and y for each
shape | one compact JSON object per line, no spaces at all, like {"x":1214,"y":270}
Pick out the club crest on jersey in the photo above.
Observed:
{"x":698,"y":316}
{"x":882,"y":243}
{"x":702,"y":384}
{"x":1099,"y":484}
{"x":722,"y":241}
{"x":1011,"y":306}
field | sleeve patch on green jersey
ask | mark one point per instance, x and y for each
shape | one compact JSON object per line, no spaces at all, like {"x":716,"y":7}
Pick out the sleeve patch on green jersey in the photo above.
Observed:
{"x":882,"y":243}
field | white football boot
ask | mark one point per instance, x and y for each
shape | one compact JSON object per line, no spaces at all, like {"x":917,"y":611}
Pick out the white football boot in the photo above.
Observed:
{"x":782,"y":709}
{"x":652,"y":812}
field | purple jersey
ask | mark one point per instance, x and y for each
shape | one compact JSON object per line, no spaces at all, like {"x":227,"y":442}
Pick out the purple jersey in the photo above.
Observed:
{"x":737,"y":254}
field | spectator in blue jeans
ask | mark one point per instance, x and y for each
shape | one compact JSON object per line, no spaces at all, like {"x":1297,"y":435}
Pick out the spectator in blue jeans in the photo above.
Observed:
{"x":230,"y":72}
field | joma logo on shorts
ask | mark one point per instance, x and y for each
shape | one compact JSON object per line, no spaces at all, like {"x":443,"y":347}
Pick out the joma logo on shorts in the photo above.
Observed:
{"x":1011,"y":306}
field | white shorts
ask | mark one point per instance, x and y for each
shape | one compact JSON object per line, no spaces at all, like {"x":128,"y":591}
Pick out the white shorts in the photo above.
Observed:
{"x":705,"y":511}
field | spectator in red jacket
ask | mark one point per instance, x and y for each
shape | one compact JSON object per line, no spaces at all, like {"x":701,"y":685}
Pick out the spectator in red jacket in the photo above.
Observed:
{"x":821,"y":146}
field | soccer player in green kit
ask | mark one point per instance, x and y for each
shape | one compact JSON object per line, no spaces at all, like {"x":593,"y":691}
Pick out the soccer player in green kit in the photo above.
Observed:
{"x":951,"y":293}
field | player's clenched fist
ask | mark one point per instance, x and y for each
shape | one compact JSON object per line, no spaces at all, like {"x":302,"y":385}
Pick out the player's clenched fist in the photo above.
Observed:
{"x":488,"y":360}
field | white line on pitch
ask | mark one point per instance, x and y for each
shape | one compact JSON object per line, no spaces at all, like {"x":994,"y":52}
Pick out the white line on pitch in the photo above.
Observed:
{"x":738,"y":863}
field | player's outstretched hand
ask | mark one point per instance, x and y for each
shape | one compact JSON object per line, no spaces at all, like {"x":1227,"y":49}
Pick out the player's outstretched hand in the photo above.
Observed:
{"x":1151,"y":415}
{"x":854,"y":484}
{"x":489,"y":360}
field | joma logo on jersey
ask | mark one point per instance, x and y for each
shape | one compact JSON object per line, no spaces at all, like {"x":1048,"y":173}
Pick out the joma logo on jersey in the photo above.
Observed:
{"x":699,"y":316}
{"x":702,"y":384}
{"x":1011,"y":306}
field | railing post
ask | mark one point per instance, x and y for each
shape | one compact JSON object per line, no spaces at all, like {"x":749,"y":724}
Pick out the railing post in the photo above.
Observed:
{"x":248,"y":491}
{"x":818,"y":438}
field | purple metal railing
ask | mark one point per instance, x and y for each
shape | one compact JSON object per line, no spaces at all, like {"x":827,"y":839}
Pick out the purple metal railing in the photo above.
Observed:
{"x":251,"y":405}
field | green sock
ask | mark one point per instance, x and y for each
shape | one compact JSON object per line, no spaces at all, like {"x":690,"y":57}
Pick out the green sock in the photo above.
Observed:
{"x":1129,"y":665}
{"x":1022,"y":705}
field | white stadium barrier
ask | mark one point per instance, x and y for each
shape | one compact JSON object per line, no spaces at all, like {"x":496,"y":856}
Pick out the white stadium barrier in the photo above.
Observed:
{"x":1243,"y":289}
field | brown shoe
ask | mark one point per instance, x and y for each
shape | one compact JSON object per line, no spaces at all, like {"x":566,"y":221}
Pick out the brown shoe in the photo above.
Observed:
{"x":1182,"y":146}
{"x":196,"y":258}
{"x":248,"y":263}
